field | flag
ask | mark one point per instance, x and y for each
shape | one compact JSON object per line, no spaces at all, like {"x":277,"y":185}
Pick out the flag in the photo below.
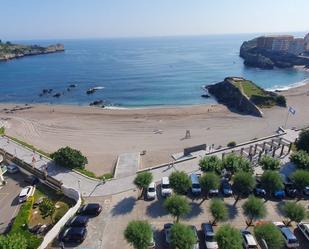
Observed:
{"x":292,"y":110}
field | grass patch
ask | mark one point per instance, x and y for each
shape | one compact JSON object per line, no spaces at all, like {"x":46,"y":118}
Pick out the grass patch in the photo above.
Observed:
{"x":29,"y":146}
{"x":2,"y":130}
{"x":93,"y":175}
{"x":249,"y":88}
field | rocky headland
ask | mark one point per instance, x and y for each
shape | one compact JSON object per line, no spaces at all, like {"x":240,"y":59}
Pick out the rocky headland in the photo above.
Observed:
{"x":255,"y":56}
{"x":10,"y":51}
{"x":244,"y":96}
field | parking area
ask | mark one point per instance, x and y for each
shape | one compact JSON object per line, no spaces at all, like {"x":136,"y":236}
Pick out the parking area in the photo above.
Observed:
{"x":9,"y":204}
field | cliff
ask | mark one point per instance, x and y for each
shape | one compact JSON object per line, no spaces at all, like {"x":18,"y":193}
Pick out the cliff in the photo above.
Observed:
{"x":266,"y":59}
{"x":243,"y":96}
{"x":11,"y":51}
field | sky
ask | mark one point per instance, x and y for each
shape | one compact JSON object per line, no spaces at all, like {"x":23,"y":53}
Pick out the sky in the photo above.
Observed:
{"x":67,"y":19}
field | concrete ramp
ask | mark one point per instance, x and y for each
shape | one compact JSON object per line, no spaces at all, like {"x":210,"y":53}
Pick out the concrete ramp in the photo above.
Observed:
{"x":127,"y":164}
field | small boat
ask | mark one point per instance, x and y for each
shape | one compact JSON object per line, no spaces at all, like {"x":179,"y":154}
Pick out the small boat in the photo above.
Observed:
{"x":94,"y":89}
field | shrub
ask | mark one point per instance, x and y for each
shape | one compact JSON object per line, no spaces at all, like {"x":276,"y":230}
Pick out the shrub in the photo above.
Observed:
{"x":303,"y":141}
{"x":2,"y":130}
{"x":294,"y":212}
{"x":218,"y":210}
{"x":177,"y":206}
{"x":234,"y":163}
{"x":138,"y":234}
{"x":182,"y":236}
{"x":211,"y":164}
{"x":231,"y":144}
{"x":47,"y":208}
{"x":269,"y":163}
{"x":300,"y":159}
{"x":281,"y":101}
{"x":271,"y":234}
{"x":229,"y":238}
{"x":13,"y":241}
{"x":70,"y":158}
{"x":180,"y":182}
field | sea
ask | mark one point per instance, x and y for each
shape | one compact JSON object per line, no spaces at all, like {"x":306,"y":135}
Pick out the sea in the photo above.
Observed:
{"x":135,"y":72}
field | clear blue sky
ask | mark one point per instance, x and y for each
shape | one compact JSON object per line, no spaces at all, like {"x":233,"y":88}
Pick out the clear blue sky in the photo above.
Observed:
{"x":45,"y":19}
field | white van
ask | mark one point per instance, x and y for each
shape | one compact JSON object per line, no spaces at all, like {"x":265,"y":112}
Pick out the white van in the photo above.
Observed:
{"x":195,"y":184}
{"x":165,"y":187}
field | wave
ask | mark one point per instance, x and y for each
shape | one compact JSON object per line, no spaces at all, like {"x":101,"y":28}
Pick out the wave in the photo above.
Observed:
{"x":98,"y":87}
{"x":285,"y":88}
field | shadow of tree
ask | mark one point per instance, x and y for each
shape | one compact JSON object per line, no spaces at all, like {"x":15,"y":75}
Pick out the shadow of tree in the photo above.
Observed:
{"x":279,"y":207}
{"x":232,"y":211}
{"x":125,"y":206}
{"x":156,"y":209}
{"x":196,"y":210}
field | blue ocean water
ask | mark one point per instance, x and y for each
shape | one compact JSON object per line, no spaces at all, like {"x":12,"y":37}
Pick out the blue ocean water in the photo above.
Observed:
{"x":135,"y":72}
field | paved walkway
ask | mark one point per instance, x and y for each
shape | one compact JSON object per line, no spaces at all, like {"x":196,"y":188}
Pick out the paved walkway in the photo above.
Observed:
{"x":127,"y":164}
{"x":90,"y":187}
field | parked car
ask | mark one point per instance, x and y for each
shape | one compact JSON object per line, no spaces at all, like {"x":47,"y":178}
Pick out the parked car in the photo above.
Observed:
{"x":226,"y":188}
{"x":249,"y":242}
{"x":304,"y":228}
{"x":25,"y":193}
{"x":167,"y":233}
{"x":288,"y":236}
{"x":165,"y":187}
{"x":306,"y":191}
{"x":12,"y":168}
{"x":73,"y":234}
{"x":151,"y":191}
{"x":259,"y":191}
{"x":78,"y":221}
{"x":195,"y":184}
{"x":279,"y":194}
{"x":90,"y":209}
{"x":209,"y":236}
{"x":197,"y":244}
{"x":291,"y":191}
{"x":213,"y":192}
{"x":32,"y":180}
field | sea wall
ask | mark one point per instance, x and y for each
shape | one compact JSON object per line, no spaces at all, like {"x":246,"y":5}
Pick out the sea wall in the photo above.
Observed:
{"x":226,"y":93}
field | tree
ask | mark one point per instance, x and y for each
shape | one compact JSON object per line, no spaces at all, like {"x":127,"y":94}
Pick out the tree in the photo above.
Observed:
{"x":142,"y":181}
{"x":70,"y":158}
{"x":243,"y":184}
{"x":182,"y":236}
{"x":254,"y":209}
{"x":303,"y":141}
{"x":229,"y":238}
{"x":271,"y":181}
{"x":180,"y":182}
{"x":234,"y":163}
{"x":177,"y":206}
{"x":13,"y":241}
{"x":47,"y":208}
{"x":218,"y":210}
{"x":294,"y":212}
{"x":271,"y":234}
{"x":209,"y":181}
{"x":300,"y":179}
{"x":269,"y":163}
{"x":300,"y":159}
{"x":138,"y":234}
{"x":211,"y":164}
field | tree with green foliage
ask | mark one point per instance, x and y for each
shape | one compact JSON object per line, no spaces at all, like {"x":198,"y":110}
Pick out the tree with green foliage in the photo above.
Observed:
{"x":177,"y":206}
{"x":209,"y":181}
{"x":229,"y":237}
{"x":218,"y":210}
{"x":211,"y":164}
{"x":269,"y":163}
{"x":254,"y":208}
{"x":142,"y":181}
{"x":271,"y":181}
{"x":13,"y":241}
{"x":243,"y":184}
{"x":271,"y":234}
{"x":300,"y":159}
{"x":47,"y":208}
{"x":70,"y":158}
{"x":300,"y":179}
{"x":294,"y":212}
{"x":182,"y":236}
{"x":234,"y":163}
{"x":139,"y":234}
{"x":281,"y":101}
{"x":180,"y":182}
{"x":303,"y":141}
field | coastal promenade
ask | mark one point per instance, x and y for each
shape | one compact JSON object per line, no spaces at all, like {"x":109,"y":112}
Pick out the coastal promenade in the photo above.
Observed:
{"x":92,"y":187}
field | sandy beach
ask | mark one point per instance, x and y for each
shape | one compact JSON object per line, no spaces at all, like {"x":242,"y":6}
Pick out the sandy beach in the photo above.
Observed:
{"x":103,"y":134}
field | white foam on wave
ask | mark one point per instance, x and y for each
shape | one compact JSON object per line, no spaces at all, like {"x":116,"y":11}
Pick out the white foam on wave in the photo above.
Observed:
{"x":285,"y":88}
{"x":98,"y":87}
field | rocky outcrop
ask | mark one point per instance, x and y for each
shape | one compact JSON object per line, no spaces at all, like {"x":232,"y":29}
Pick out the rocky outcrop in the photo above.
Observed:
{"x":231,"y":96}
{"x":267,"y":59}
{"x":10,"y":51}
